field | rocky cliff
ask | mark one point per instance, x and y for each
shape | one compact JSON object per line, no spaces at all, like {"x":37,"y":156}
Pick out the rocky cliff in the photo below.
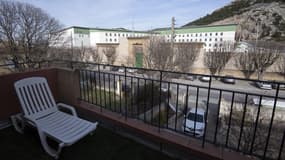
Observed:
{"x":264,"y":20}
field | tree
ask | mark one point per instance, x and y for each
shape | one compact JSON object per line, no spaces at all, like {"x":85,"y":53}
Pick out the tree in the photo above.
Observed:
{"x":216,"y":60}
{"x":159,"y":54}
{"x":110,"y":53}
{"x":185,"y":56}
{"x":26,"y":29}
{"x":244,"y":62}
{"x":281,"y":65}
{"x":265,"y":54}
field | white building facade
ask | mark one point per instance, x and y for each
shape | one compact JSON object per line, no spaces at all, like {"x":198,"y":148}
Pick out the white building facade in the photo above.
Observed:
{"x":211,"y":36}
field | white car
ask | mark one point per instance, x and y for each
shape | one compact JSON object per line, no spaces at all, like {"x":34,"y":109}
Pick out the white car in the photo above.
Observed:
{"x":205,"y":79}
{"x":195,"y":125}
{"x":264,"y":85}
{"x":121,"y":70}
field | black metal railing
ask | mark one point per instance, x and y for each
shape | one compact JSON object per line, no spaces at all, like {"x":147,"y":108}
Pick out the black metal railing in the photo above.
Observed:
{"x":237,"y":116}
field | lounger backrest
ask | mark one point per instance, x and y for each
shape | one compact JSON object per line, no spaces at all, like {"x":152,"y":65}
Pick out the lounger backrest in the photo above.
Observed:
{"x":35,"y":97}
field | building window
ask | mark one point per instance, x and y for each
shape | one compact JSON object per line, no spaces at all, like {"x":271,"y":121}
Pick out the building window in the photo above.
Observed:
{"x":221,"y":45}
{"x":210,"y":34}
{"x":191,"y":35}
{"x":216,"y":34}
{"x":119,"y":34}
{"x":210,"y":39}
{"x":205,"y":34}
{"x":191,"y":39}
{"x":110,"y":40}
{"x":215,"y":45}
{"x":110,"y":34}
{"x":182,"y":40}
{"x":195,"y":40}
{"x":114,"y":34}
{"x":115,"y":40}
{"x":216,"y":39}
{"x":196,"y":35}
{"x":187,"y":35}
{"x":221,"y":33}
{"x":200,"y":34}
{"x":200,"y":40}
{"x":187,"y":40}
{"x":106,"y":39}
{"x":205,"y":39}
{"x":209,"y":45}
{"x":106,"y":34}
{"x":221,"y":39}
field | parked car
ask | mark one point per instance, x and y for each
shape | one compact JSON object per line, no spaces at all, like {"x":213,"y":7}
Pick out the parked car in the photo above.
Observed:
{"x":191,"y":77}
{"x":205,"y":79}
{"x":281,"y":86}
{"x":122,"y":70}
{"x":131,"y":70}
{"x":195,"y":125}
{"x":263,"y":85}
{"x":228,"y":79}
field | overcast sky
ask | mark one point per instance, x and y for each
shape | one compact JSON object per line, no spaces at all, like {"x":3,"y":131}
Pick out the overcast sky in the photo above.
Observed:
{"x":130,"y":14}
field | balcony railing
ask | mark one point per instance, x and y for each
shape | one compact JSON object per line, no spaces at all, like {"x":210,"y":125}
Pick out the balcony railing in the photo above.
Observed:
{"x":238,"y":116}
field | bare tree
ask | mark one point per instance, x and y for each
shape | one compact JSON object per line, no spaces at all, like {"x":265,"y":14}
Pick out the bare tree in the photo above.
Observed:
{"x":110,"y":53}
{"x":26,"y":29}
{"x":36,"y":31}
{"x":185,"y":56}
{"x":8,"y":27}
{"x":216,"y":60}
{"x":265,"y":54}
{"x":159,"y":54}
{"x":281,"y":65}
{"x":244,"y":62}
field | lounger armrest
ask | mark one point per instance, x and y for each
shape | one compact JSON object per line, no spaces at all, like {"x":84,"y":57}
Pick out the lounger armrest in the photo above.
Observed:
{"x":62,"y":105}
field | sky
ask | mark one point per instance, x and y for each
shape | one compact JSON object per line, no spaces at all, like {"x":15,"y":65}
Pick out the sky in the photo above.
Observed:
{"x":129,"y":14}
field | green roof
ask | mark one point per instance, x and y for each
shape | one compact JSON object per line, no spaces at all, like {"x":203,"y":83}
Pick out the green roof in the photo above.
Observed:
{"x":199,"y":29}
{"x":86,"y":30}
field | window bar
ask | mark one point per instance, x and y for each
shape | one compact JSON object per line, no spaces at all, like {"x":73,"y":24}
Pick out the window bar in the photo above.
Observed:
{"x":206,"y":114}
{"x":138,"y":94}
{"x":126,"y":104}
{"x":230,"y":119}
{"x":96,"y":94}
{"x":144,"y":107}
{"x":271,"y":121}
{"x":80,"y":82}
{"x":88,"y":86}
{"x":91,"y":80}
{"x":132,"y":98}
{"x":110,"y":101}
{"x":104,"y":89}
{"x":256,"y":124}
{"x":120,"y":94}
{"x":115,"y":101}
{"x":281,"y":146}
{"x":196,"y":108}
{"x":100,"y":95}
{"x":84,"y":84}
{"x":186,"y":107}
{"x":159,"y":103}
{"x":152,"y":105}
{"x":176,"y":106}
{"x":242,"y":122}
{"x":167,"y":105}
{"x":218,"y":115}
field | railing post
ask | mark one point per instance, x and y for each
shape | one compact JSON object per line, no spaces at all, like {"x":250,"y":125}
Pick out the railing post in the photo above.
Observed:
{"x":126,"y":102}
{"x":281,"y":146}
{"x":206,"y":115}
{"x":159,"y":105}
{"x":271,"y":121}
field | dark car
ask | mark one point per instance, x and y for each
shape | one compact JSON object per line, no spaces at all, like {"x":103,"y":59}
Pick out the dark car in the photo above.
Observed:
{"x":281,"y":86}
{"x":228,"y":79}
{"x":264,"y":85}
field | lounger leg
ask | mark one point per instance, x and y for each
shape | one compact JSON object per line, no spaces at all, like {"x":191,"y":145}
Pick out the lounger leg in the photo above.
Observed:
{"x":47,"y":148}
{"x":18,"y":123}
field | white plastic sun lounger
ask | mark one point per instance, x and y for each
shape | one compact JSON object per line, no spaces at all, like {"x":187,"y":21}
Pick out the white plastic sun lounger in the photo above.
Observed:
{"x":40,"y":110}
